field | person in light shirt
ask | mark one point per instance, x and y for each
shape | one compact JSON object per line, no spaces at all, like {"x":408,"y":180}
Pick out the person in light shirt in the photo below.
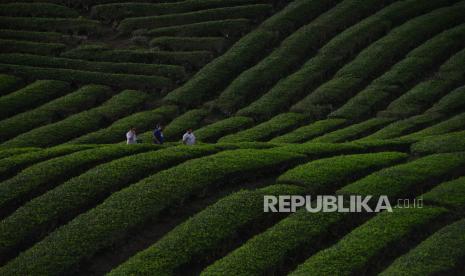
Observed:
{"x":131,"y":137}
{"x":188,"y":138}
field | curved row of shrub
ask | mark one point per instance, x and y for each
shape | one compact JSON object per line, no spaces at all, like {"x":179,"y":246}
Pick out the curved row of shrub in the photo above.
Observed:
{"x":455,"y":123}
{"x":82,"y":99}
{"x":449,"y":142}
{"x":36,"y":10}
{"x":38,"y":217}
{"x":213,"y":77}
{"x":214,"y":44}
{"x":214,"y":131}
{"x":227,"y":27}
{"x":374,"y":60}
{"x":331,"y":56}
{"x":118,"y":11}
{"x":359,"y":251}
{"x":309,"y":131}
{"x":124,"y":210}
{"x":405,"y":74}
{"x":292,"y":51}
{"x":9,"y":152}
{"x":277,"y":125}
{"x":200,"y":236}
{"x":255,"y":11}
{"x":172,"y":71}
{"x":87,"y":77}
{"x":142,"y":121}
{"x":50,"y":37}
{"x":409,"y":178}
{"x":38,"y":48}
{"x":9,"y":83}
{"x":118,"y":106}
{"x":63,"y":25}
{"x":32,"y":95}
{"x":450,"y":194}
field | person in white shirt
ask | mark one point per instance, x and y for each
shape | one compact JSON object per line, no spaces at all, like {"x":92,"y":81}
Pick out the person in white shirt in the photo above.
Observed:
{"x":188,"y":138}
{"x":131,"y":137}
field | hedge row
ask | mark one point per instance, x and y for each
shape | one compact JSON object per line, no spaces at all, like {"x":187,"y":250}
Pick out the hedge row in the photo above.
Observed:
{"x":62,"y":25}
{"x":118,"y":11}
{"x":142,"y":121}
{"x":404,"y":74}
{"x":326,"y":175}
{"x":9,"y":166}
{"x":38,"y":217}
{"x":307,"y":132}
{"x":296,"y":48}
{"x":81,"y":123}
{"x":455,"y":123}
{"x":354,"y":131}
{"x":38,"y":48}
{"x":131,"y":207}
{"x":360,"y":250}
{"x":374,"y":60}
{"x":256,"y":11}
{"x":34,"y":36}
{"x":36,"y":10}
{"x":217,"y":74}
{"x":31,"y":96}
{"x":10,"y":152}
{"x":9,"y":83}
{"x":200,"y":236}
{"x":335,"y":53}
{"x":449,"y":142}
{"x":279,"y":124}
{"x":227,"y":27}
{"x":441,"y":253}
{"x":214,"y":131}
{"x":214,"y":44}
{"x":195,"y":59}
{"x":80,"y":100}
{"x":453,"y":102}
{"x":409,"y":178}
{"x":88,"y":77}
{"x":450,"y":194}
{"x":172,"y":71}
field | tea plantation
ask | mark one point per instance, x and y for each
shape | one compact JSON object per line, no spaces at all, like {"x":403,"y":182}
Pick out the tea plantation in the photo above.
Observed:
{"x":285,"y":97}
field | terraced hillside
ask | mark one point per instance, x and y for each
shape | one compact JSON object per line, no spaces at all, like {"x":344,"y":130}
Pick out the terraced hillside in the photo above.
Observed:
{"x":302,"y":97}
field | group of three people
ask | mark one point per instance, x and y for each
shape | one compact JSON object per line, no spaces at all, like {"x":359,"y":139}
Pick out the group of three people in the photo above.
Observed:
{"x":187,"y":139}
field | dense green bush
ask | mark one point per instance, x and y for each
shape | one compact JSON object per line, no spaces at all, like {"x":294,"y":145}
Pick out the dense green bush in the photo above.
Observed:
{"x":191,"y":119}
{"x":82,"y":192}
{"x":171,"y":71}
{"x":9,"y":83}
{"x":255,"y":11}
{"x":118,"y":11}
{"x":34,"y":36}
{"x":31,"y":96}
{"x":454,"y":123}
{"x":214,"y":44}
{"x":10,"y":152}
{"x":142,"y":121}
{"x":124,"y":210}
{"x":307,"y":132}
{"x":450,"y":194}
{"x":407,"y":179}
{"x":451,"y":103}
{"x":227,"y":27}
{"x":82,"y":99}
{"x":441,"y":253}
{"x":38,"y":48}
{"x":331,"y":56}
{"x":328,"y":174}
{"x":359,"y":251}
{"x":205,"y":233}
{"x":63,"y":25}
{"x":123,"y":104}
{"x":214,"y":131}
{"x":449,"y":142}
{"x":36,"y":10}
{"x":277,"y":125}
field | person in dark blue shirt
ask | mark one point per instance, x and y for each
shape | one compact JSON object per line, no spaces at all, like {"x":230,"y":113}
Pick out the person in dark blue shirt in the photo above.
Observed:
{"x":158,"y":135}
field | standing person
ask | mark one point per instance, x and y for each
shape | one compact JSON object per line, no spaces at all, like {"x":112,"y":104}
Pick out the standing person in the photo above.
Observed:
{"x":131,"y":137}
{"x":158,"y":137}
{"x":188,"y":138}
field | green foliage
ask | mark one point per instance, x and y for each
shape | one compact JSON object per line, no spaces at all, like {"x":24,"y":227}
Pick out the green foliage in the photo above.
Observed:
{"x":278,"y":125}
{"x":9,"y":152}
{"x":361,"y":248}
{"x":62,"y":25}
{"x":309,"y":131}
{"x":450,"y":194}
{"x":455,"y":123}
{"x":212,"y":132}
{"x":33,"y":36}
{"x":31,"y":96}
{"x":134,"y":205}
{"x":214,"y":44}
{"x":123,"y":104}
{"x":191,"y":119}
{"x":450,"y":103}
{"x":197,"y":237}
{"x":408,"y":178}
{"x":36,"y":10}
{"x":9,"y":83}
{"x":449,"y":142}
{"x":255,"y":11}
{"x":38,"y":48}
{"x":441,"y":253}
